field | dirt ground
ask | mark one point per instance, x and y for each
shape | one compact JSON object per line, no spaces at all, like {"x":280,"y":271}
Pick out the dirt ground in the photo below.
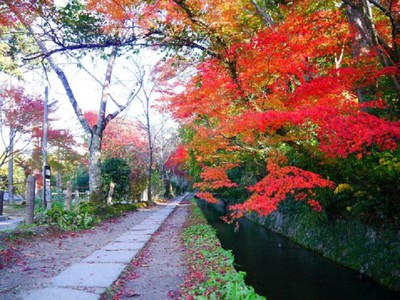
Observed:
{"x":155,"y":274}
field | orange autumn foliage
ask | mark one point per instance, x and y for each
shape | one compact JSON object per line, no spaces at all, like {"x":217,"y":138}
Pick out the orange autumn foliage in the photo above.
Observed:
{"x":295,"y":83}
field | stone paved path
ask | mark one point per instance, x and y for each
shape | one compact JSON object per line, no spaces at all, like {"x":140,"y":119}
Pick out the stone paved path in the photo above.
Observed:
{"x":9,"y":224}
{"x":91,"y":277}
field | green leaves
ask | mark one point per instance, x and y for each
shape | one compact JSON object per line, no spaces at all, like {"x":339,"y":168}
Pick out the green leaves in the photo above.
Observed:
{"x":118,"y":171}
{"x":78,"y":25}
{"x":211,"y":273}
{"x":81,"y":217}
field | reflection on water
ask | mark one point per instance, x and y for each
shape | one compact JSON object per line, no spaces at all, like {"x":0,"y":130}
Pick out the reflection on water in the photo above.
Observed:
{"x":281,"y":270}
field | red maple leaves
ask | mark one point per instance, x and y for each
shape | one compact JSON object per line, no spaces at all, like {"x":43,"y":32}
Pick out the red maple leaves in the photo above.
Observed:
{"x":294,"y":85}
{"x":213,"y":178}
{"x":277,"y":185}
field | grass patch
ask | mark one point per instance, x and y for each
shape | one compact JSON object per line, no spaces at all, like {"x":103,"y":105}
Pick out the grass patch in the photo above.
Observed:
{"x":211,"y":272}
{"x":82,"y":216}
{"x":111,"y":211}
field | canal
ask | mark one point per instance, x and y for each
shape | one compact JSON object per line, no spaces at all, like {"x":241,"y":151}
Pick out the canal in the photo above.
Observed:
{"x":281,"y":270}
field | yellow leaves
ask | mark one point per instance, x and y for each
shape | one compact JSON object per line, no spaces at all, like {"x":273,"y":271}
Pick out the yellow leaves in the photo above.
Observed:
{"x":391,"y":162}
{"x":343,"y":187}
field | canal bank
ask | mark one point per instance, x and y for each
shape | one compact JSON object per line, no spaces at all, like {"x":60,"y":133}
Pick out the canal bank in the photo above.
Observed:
{"x":370,"y":252}
{"x":280,"y":269}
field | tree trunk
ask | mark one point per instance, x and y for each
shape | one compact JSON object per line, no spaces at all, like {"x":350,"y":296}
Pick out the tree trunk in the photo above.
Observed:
{"x":359,"y":26}
{"x":97,"y":134}
{"x":95,"y":169}
{"x":362,"y":41}
{"x":149,"y":176}
{"x":366,"y":38}
{"x":11,"y":168}
{"x":1,"y":202}
{"x":150,"y":143}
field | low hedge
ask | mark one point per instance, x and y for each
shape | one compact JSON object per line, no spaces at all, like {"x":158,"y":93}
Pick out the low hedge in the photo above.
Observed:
{"x":211,"y":272}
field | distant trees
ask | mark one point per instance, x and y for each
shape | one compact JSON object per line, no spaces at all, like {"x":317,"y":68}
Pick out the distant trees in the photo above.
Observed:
{"x":69,"y":28}
{"x":124,"y":142}
{"x":21,"y":127}
{"x":21,"y":116}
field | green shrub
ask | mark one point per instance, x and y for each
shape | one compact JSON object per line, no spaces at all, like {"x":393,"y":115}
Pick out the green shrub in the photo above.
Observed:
{"x":211,"y":272}
{"x":81,"y":181}
{"x":118,"y":171}
{"x":80,"y":217}
{"x":107,"y":211}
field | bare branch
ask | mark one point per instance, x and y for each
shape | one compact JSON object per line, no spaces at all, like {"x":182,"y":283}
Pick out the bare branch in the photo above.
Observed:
{"x":60,"y":73}
{"x":132,"y":95}
{"x":65,"y":48}
{"x":386,"y":11}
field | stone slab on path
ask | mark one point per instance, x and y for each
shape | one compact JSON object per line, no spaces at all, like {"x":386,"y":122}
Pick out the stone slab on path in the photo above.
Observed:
{"x":99,"y":270}
{"x":10,"y":224}
{"x":55,"y":293}
{"x":145,"y":227}
{"x":133,"y":237}
{"x":95,"y":275}
{"x":145,"y":231}
{"x":135,"y":246}
{"x":105,"y":256}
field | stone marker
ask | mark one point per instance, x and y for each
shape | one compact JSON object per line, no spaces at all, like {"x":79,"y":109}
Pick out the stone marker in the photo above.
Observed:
{"x":68,"y":198}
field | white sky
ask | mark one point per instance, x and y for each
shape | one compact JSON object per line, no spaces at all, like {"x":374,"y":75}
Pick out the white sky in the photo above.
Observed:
{"x":88,"y":92}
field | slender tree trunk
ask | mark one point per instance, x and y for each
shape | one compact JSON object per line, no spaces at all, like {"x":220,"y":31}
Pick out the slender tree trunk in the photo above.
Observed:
{"x":150,"y":165}
{"x":262,"y":12}
{"x":11,"y":168}
{"x":97,"y":134}
{"x":146,"y":107}
{"x":1,"y":202}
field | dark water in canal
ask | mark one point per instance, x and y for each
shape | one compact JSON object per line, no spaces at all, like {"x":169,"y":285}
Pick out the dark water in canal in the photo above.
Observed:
{"x":280,"y":270}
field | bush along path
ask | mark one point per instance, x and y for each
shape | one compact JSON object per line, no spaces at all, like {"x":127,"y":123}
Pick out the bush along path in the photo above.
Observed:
{"x":76,"y":265}
{"x":211,"y":272}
